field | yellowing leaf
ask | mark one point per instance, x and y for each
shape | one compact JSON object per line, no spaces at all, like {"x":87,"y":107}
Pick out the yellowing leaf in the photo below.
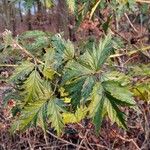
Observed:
{"x":62,"y":92}
{"x":69,"y":118}
{"x":77,"y":117}
{"x":49,"y":73}
{"x":80,"y":113}
{"x":67,"y":100}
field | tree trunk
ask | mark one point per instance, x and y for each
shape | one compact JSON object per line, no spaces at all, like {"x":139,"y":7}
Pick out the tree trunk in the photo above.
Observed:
{"x":20,"y":12}
{"x":29,"y":20}
{"x":39,"y":11}
{"x":62,"y":18}
{"x":13,"y":19}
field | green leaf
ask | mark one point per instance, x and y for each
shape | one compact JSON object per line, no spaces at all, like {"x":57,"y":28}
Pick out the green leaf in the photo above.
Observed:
{"x":51,"y":64}
{"x":96,"y":107}
{"x":119,"y":92}
{"x":74,"y":89}
{"x":69,"y":51}
{"x":104,"y":51}
{"x":74,"y":70}
{"x":29,"y":115}
{"x":114,"y":113}
{"x":54,"y":113}
{"x":64,"y":50}
{"x":33,"y":87}
{"x":116,"y":76}
{"x":97,"y":56}
{"x":87,"y":88}
{"x":22,"y":71}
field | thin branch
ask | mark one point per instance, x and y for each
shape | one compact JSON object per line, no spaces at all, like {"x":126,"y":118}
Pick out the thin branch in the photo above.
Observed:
{"x":78,"y":146}
{"x":130,"y":23}
{"x":143,"y":1}
{"x":131,"y":52}
{"x":129,"y":140}
{"x":99,"y":145}
{"x":8,"y":65}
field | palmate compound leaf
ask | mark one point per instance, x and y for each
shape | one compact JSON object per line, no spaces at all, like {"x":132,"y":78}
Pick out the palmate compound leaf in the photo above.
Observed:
{"x":104,"y":102}
{"x":75,"y":80}
{"x":79,"y":75}
{"x":94,"y":58}
{"x":40,"y":112}
{"x":22,"y":71}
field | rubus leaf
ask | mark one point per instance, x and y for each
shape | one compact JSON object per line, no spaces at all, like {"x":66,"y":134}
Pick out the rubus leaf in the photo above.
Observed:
{"x":87,"y":88}
{"x":29,"y":115}
{"x":74,"y":89}
{"x":93,"y":92}
{"x":75,"y":70}
{"x":114,"y":113}
{"x":38,"y":113}
{"x":96,"y":107}
{"x":64,"y":50}
{"x":105,"y":49}
{"x":33,"y":87}
{"x":54,"y":113}
{"x":119,"y":92}
{"x":22,"y":71}
{"x":75,"y":117}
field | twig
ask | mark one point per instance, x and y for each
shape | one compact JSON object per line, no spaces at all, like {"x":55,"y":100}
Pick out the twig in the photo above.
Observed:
{"x":143,"y":1}
{"x":129,"y":60}
{"x":115,"y":32}
{"x":99,"y":145}
{"x":131,"y":52}
{"x":65,"y":140}
{"x":8,"y":65}
{"x":83,"y":139}
{"x":130,"y":23}
{"x":128,"y":140}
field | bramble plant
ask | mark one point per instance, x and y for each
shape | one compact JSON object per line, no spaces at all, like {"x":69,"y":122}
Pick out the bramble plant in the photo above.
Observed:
{"x":64,"y":87}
